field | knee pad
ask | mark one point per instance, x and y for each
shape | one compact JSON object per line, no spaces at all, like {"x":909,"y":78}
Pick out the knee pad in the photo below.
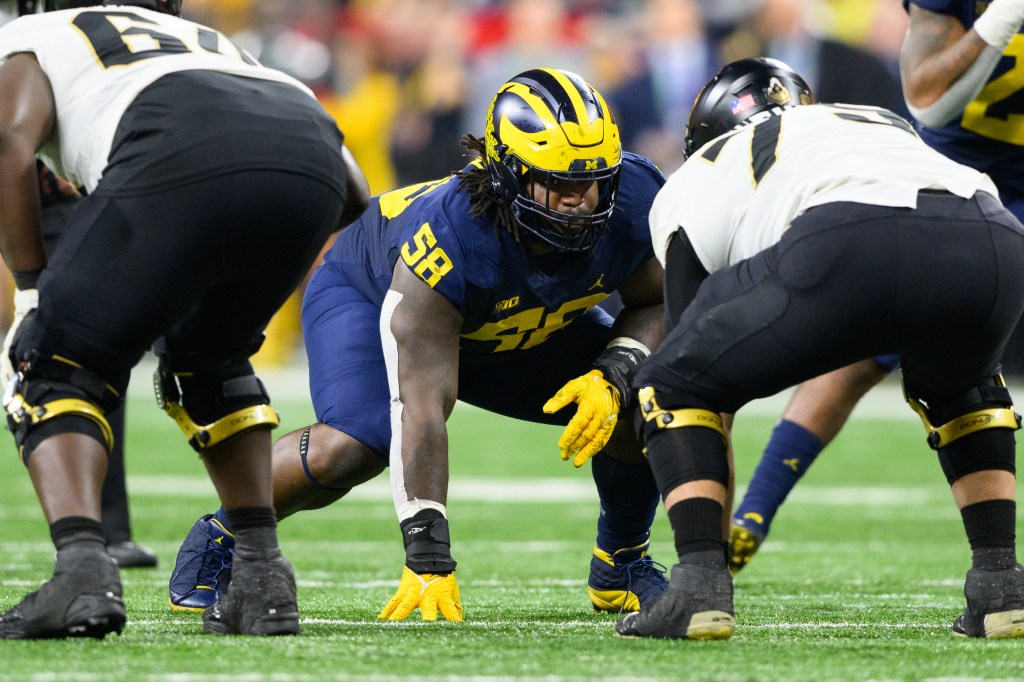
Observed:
{"x":214,"y":405}
{"x":976,"y":431}
{"x":682,"y":445}
{"x":53,"y":395}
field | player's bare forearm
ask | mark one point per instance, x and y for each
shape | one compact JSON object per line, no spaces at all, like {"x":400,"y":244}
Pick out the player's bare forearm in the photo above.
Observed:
{"x":426,"y":327}
{"x":26,"y":118}
{"x":20,"y":233}
{"x":936,"y":52}
{"x":646,"y":325}
{"x":642,"y":297}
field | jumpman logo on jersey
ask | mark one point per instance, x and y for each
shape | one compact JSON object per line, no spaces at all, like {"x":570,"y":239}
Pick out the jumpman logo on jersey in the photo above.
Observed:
{"x":599,"y":284}
{"x":793,"y":464}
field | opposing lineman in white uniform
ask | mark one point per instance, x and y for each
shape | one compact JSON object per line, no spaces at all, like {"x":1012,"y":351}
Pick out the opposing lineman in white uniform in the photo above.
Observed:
{"x":799,"y":238}
{"x":212,"y":184}
{"x":822,"y":153}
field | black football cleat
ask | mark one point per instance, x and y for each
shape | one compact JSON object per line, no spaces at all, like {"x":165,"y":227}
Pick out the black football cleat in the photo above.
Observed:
{"x":696,"y":605}
{"x":130,"y":554}
{"x":82,"y":599}
{"x":995,"y":604}
{"x":261,"y":602}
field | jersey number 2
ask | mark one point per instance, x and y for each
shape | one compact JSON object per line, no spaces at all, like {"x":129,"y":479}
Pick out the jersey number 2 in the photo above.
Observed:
{"x":988,"y":115}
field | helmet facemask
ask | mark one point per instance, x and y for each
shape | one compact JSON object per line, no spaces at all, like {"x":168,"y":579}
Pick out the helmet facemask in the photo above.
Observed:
{"x":562,"y":230}
{"x":547,"y":127}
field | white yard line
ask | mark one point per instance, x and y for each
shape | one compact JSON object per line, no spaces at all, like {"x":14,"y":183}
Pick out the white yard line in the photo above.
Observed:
{"x":553,"y":490}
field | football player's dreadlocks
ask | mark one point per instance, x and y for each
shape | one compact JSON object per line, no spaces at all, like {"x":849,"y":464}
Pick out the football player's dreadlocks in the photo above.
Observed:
{"x":484,"y":201}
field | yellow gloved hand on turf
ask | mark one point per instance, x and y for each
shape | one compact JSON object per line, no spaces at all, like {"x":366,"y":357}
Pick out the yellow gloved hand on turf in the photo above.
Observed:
{"x":591,"y":427}
{"x":429,"y":592}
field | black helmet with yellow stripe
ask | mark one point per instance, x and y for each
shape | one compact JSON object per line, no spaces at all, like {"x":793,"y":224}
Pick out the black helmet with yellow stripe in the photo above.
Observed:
{"x":544,"y":127}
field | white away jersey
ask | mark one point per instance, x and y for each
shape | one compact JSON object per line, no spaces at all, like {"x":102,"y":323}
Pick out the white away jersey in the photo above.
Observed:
{"x":98,"y":59}
{"x":739,"y":193}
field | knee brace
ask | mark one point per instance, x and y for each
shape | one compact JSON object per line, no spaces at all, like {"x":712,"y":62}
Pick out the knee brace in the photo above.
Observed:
{"x":213,"y":406}
{"x":984,"y":412}
{"x":985,"y":406}
{"x":682,"y":445}
{"x":50,"y":387}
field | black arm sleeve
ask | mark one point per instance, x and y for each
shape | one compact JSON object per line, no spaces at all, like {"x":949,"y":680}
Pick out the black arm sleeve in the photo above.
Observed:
{"x":683,"y":276}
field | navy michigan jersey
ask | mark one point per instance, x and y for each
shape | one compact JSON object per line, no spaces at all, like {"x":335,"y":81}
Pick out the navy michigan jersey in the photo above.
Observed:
{"x":989,"y":135}
{"x":508,"y":301}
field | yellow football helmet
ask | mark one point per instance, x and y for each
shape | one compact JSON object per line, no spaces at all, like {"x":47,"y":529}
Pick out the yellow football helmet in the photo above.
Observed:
{"x":547,"y":126}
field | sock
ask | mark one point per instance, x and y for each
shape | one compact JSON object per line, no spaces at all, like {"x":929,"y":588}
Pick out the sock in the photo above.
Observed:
{"x":222,"y":518}
{"x":697,"y":527}
{"x":629,"y":501}
{"x":788,"y":455}
{"x":255,"y":531}
{"x":74,"y":530}
{"x":991,"y":533}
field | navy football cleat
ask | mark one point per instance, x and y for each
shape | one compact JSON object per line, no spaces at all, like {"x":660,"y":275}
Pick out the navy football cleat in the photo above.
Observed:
{"x":83,"y":599}
{"x":745,"y":538}
{"x":698,"y":604}
{"x":995,"y":604}
{"x":202,"y":570}
{"x":624,"y":580}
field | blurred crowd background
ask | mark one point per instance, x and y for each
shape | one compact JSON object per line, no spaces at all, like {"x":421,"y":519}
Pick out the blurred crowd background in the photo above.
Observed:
{"x":405,"y":79}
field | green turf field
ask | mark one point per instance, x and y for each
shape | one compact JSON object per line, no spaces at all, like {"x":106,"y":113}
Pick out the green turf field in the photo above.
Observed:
{"x":860,"y":580}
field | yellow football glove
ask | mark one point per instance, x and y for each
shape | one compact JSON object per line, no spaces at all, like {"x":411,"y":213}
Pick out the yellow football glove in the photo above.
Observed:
{"x":430,"y":592}
{"x":589,"y":430}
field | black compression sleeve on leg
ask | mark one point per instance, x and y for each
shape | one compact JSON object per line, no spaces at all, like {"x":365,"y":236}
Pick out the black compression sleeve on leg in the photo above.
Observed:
{"x":991,"y":449}
{"x":679,"y":456}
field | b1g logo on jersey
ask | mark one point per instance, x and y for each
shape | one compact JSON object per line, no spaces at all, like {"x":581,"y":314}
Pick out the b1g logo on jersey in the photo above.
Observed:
{"x":507,"y":304}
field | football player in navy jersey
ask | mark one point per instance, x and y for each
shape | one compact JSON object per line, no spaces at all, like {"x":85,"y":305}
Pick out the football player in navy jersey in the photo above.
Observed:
{"x":482,"y":286}
{"x":961,"y":67}
{"x":211,"y":184}
{"x":837,"y":235}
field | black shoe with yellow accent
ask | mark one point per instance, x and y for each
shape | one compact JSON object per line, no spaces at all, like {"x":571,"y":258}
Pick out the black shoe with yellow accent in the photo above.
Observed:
{"x":995,"y":604}
{"x":696,"y":605}
{"x":82,"y":599}
{"x":262,"y":600}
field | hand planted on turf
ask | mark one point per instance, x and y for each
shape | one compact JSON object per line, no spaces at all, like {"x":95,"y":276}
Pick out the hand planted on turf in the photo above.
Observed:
{"x":589,"y":430}
{"x":428,"y":591}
